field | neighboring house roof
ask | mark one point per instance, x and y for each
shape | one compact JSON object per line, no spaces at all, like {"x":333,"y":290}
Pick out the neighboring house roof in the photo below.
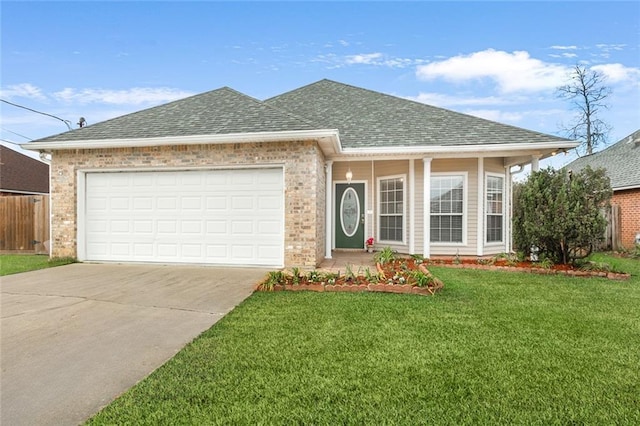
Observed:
{"x":22,"y":174}
{"x":621,"y":160}
{"x":371,"y":119}
{"x":221,"y":111}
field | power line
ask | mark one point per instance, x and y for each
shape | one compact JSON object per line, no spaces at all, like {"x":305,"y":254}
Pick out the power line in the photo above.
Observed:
{"x":38,"y":112}
{"x":17,"y":134}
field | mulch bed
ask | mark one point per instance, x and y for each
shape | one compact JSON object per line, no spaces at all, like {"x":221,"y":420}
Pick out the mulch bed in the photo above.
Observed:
{"x":398,"y":276}
{"x":528,"y":267}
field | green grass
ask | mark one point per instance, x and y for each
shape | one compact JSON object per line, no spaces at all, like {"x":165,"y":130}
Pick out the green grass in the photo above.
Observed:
{"x":16,"y":263}
{"x":491,"y":348}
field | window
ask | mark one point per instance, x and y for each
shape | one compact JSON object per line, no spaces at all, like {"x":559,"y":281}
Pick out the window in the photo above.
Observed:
{"x":447,"y":208}
{"x":391,"y":220}
{"x":494,"y":208}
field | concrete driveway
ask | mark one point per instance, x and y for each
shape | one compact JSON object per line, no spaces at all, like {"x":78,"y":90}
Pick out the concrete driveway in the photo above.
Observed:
{"x":77,"y":336}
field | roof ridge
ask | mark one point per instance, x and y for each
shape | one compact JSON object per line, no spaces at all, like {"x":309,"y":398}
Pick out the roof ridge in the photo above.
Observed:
{"x":413,"y":102}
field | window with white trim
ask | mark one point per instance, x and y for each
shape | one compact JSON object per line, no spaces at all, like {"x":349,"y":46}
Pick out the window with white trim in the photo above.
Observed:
{"x":494,"y":208}
{"x":447,"y":208}
{"x":391,"y":209}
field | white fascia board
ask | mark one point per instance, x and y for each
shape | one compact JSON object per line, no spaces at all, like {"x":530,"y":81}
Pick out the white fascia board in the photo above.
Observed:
{"x":322,"y":134}
{"x":458,"y":149}
{"x":625,"y":188}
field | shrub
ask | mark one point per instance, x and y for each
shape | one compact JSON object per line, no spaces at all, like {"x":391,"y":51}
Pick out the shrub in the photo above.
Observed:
{"x":559,"y":212}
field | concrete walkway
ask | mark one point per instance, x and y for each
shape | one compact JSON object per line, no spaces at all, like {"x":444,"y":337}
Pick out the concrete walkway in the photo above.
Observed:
{"x":77,"y":336}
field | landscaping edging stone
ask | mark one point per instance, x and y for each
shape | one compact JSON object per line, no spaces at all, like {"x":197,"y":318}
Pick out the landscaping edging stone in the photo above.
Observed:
{"x":358,"y":288}
{"x":540,"y":271}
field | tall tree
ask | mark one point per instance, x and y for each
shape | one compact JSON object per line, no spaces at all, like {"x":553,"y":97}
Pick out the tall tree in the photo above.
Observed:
{"x":587,"y":93}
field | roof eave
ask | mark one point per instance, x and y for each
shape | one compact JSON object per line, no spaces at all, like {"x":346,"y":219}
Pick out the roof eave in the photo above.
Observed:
{"x":542,"y":148}
{"x":625,"y":188}
{"x":327,"y":138}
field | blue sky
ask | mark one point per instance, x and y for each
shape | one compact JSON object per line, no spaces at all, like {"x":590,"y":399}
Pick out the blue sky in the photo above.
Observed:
{"x":497,"y":60}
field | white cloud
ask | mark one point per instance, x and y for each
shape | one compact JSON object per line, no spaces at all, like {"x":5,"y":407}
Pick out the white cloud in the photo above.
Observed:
{"x":618,"y":73}
{"x":343,"y":43}
{"x":364,"y":58}
{"x":133,"y":96}
{"x":376,"y":59}
{"x":512,"y":72}
{"x":557,"y":47}
{"x":23,"y":90}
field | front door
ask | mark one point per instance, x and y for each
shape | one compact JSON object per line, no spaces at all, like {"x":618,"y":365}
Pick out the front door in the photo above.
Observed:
{"x":349,"y":215}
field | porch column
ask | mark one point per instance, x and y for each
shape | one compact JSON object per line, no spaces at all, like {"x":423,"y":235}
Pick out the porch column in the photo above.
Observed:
{"x":535,"y":163}
{"x":480,"y":217}
{"x":426,"y":209}
{"x":328,"y":222}
{"x":412,"y":206}
{"x":508,"y":214}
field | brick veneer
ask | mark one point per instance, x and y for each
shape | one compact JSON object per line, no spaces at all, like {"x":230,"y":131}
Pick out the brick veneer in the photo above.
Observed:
{"x":629,"y":202}
{"x":304,"y":186}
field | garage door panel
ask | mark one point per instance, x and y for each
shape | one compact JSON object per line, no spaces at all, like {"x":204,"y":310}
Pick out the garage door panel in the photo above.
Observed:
{"x":210,"y":216}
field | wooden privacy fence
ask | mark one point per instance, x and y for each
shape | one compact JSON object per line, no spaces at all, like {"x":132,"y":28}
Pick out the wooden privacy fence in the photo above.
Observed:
{"x":613,"y":234}
{"x":24,"y":226}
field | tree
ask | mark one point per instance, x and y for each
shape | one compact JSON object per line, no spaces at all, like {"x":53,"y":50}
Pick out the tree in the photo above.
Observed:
{"x":559,"y":212}
{"x":587,"y":93}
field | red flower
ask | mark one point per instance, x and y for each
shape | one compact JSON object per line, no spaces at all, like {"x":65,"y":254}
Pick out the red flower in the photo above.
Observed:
{"x":370,"y":241}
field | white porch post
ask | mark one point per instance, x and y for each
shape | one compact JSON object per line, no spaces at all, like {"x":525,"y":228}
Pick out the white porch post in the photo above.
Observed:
{"x":412,"y":206}
{"x":426,"y":209}
{"x":328,"y":223}
{"x":480,"y":218}
{"x":535,"y":163}
{"x":507,"y":209}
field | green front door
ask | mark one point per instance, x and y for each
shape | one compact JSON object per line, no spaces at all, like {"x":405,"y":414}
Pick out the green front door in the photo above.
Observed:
{"x":349,"y":215}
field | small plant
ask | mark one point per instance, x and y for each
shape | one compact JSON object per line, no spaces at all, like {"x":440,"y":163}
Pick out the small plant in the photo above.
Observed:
{"x":489,"y":261}
{"x":370,"y":241}
{"x":373,"y":278}
{"x":545,"y":262}
{"x":595,"y":266}
{"x":295,"y":276}
{"x":348,"y":273}
{"x":274,"y":278}
{"x":331,"y":278}
{"x":456,"y":259}
{"x":386,"y":255}
{"x":421,"y":279}
{"x":314,"y":276}
{"x":417,"y":258}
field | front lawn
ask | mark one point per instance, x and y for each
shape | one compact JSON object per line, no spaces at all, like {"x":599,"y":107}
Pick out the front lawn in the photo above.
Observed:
{"x":490,"y":348}
{"x":16,"y":263}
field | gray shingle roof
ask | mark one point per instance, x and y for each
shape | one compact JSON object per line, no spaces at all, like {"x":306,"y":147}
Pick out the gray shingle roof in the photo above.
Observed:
{"x":621,"y":160}
{"x":221,"y":111}
{"x":363,"y":117}
{"x":371,"y":119}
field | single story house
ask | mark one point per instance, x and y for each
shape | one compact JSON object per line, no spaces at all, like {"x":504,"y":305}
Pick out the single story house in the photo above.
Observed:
{"x":622,"y":164}
{"x":223,"y":178}
{"x":21,"y":174}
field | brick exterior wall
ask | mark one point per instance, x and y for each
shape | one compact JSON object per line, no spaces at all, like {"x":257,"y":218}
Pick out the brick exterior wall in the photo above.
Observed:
{"x":304,"y":186}
{"x":629,"y":202}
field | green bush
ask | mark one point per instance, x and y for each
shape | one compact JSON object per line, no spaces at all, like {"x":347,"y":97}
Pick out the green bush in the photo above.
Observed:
{"x":559,"y":212}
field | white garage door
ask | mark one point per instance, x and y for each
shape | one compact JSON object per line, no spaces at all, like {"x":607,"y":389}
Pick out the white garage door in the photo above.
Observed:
{"x":232,"y":217}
